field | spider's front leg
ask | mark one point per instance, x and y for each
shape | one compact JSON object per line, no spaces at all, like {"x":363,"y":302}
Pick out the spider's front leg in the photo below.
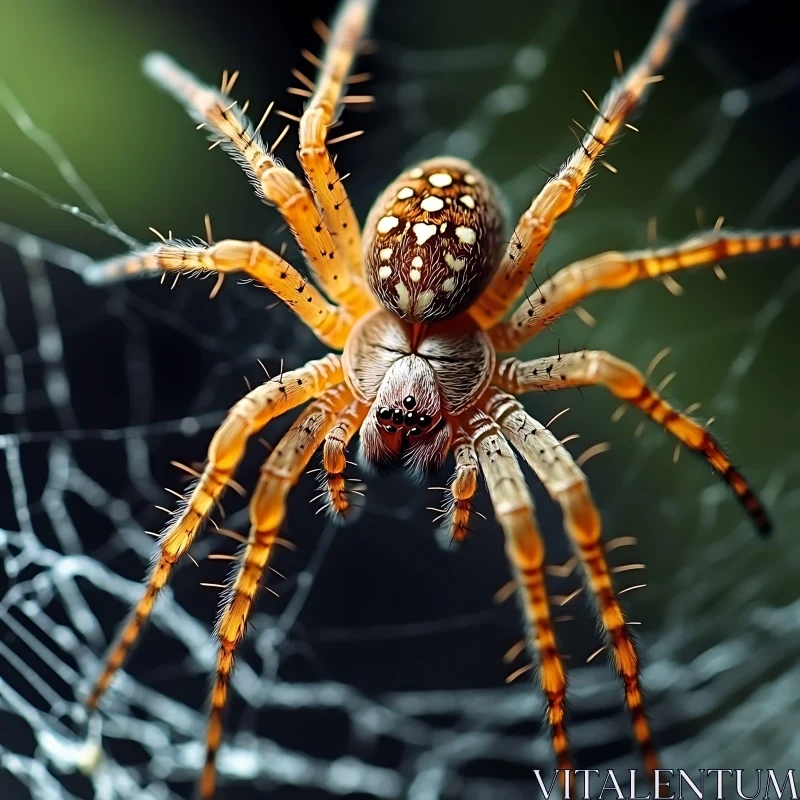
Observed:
{"x":227,"y":447}
{"x":267,"y":511}
{"x":320,"y":113}
{"x":566,"y":484}
{"x":613,"y":270}
{"x":536,"y":224}
{"x":330,"y":323}
{"x":513,"y":507}
{"x":596,"y":367}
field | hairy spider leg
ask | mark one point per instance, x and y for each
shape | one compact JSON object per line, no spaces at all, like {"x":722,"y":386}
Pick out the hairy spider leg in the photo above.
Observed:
{"x":463,"y":486}
{"x":245,"y":418}
{"x":320,"y":113}
{"x":513,"y":507}
{"x":329,"y":323}
{"x":615,"y":270}
{"x":334,"y":455}
{"x":273,"y":182}
{"x":280,"y":472}
{"x":566,"y":484}
{"x":596,"y":367}
{"x":556,"y":198}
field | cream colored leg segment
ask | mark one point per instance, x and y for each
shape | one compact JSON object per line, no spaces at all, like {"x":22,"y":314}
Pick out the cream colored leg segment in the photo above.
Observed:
{"x":596,"y":367}
{"x":272,"y":181}
{"x":617,"y":270}
{"x":321,"y":111}
{"x":513,"y":507}
{"x":225,"y":452}
{"x":558,"y":194}
{"x":280,"y":472}
{"x":330,"y":323}
{"x":566,"y":484}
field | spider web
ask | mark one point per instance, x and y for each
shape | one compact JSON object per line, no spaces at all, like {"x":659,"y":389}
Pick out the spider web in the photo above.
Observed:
{"x":378,"y":670}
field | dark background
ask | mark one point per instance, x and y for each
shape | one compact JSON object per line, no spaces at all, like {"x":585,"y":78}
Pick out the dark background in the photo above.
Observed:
{"x":388,"y":646}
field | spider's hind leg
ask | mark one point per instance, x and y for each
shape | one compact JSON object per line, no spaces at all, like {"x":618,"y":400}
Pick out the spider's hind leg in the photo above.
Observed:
{"x":558,"y":195}
{"x":277,"y":185}
{"x":321,"y":112}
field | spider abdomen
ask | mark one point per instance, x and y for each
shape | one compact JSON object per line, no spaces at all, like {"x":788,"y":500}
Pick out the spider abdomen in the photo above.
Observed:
{"x":432,"y":240}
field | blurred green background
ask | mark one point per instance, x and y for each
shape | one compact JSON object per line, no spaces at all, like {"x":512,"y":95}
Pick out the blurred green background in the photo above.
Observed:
{"x":391,"y":611}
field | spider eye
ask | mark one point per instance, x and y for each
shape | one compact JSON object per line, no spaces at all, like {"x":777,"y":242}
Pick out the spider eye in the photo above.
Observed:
{"x":409,"y":402}
{"x":402,"y":441}
{"x":433,"y":240}
{"x":384,"y":414}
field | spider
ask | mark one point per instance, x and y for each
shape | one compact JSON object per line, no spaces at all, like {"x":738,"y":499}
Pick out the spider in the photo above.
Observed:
{"x":417,"y":305}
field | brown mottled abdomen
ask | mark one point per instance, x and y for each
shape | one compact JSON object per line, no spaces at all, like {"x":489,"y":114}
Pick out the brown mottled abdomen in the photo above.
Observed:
{"x":432,"y":240}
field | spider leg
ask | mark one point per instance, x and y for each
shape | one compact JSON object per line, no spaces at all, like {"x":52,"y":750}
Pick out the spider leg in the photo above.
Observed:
{"x":321,"y":111}
{"x":245,"y":418}
{"x":273,"y":182}
{"x":558,"y":195}
{"x":513,"y":506}
{"x":615,"y":270}
{"x":566,"y":484}
{"x":463,"y":486}
{"x":593,"y":367}
{"x":280,"y":472}
{"x":330,"y":323}
{"x":334,"y":458}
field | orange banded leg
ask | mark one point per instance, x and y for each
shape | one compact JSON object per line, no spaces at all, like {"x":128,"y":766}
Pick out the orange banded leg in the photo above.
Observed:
{"x":566,"y":484}
{"x":247,"y":416}
{"x":280,"y":472}
{"x":614,"y":270}
{"x":463,"y":486}
{"x":593,"y":367}
{"x":334,"y":455}
{"x":272,"y":181}
{"x":330,"y":323}
{"x":513,"y":507}
{"x":321,"y":111}
{"x":536,"y":224}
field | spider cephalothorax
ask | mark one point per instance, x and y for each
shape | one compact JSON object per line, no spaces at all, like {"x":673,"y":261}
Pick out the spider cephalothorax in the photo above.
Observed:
{"x":418,"y":377}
